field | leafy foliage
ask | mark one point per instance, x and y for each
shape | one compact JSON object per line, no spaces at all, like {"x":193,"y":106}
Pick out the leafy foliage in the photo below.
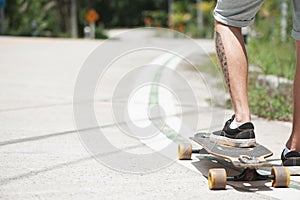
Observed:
{"x":52,"y":17}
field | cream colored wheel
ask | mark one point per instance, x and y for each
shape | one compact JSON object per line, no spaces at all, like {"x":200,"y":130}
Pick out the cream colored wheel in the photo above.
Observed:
{"x":281,"y":176}
{"x":184,"y":151}
{"x":217,"y":179}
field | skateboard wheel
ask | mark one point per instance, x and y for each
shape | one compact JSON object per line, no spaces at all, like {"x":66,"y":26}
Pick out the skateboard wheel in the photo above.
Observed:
{"x":281,"y":177}
{"x":184,"y":151}
{"x":217,"y":179}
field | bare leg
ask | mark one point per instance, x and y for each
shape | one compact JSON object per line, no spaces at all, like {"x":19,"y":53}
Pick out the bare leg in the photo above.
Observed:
{"x":294,"y":141}
{"x":233,"y":59}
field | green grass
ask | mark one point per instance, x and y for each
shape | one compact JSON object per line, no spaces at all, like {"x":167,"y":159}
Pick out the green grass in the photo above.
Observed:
{"x":274,"y":105}
{"x":273,"y":57}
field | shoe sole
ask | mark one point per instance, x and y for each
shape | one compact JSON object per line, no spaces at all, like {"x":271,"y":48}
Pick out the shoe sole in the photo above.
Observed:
{"x":289,"y":162}
{"x":233,"y":142}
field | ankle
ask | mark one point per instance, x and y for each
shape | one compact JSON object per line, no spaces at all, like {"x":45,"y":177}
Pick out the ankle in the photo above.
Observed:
{"x":242,"y":118}
{"x":293,"y":143}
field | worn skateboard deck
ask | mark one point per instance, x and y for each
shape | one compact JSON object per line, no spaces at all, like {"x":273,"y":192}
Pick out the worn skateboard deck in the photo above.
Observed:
{"x":251,"y":157}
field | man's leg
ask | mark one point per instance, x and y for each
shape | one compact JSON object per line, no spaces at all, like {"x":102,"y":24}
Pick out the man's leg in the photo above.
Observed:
{"x":291,"y":154}
{"x":230,"y":16}
{"x":233,"y":59}
{"x":294,"y":141}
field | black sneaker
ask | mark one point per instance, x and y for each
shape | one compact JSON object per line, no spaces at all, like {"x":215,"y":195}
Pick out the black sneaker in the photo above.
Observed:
{"x":292,"y":158}
{"x":243,"y":136}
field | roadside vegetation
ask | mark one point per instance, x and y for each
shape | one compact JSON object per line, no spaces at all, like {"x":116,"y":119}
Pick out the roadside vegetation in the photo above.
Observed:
{"x":51,"y":18}
{"x":274,"y":55}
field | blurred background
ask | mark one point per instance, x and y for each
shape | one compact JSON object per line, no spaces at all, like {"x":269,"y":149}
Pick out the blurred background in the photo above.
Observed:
{"x":68,"y":18}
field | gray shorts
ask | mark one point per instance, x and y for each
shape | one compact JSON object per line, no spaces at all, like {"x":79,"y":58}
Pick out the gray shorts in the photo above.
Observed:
{"x":241,"y":13}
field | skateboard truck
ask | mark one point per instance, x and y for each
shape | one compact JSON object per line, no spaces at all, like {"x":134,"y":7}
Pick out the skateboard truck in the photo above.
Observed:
{"x":250,"y":174}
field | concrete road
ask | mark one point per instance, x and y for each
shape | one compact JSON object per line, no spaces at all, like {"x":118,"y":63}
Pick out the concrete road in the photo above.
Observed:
{"x":44,"y":155}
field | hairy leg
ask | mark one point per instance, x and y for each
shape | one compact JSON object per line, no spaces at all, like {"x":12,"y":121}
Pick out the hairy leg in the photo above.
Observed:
{"x":233,"y":59}
{"x":294,"y":140}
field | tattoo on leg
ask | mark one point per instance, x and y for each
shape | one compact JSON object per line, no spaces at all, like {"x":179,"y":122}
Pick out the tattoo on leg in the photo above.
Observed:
{"x":222,"y":59}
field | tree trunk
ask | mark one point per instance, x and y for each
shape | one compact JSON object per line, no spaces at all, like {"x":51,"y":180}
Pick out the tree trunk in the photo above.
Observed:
{"x":74,"y":28}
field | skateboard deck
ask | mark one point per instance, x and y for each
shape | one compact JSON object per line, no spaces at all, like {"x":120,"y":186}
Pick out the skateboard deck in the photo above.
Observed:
{"x":251,"y":157}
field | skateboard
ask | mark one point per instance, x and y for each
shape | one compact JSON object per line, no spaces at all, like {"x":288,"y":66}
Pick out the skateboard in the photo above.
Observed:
{"x":249,"y":159}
